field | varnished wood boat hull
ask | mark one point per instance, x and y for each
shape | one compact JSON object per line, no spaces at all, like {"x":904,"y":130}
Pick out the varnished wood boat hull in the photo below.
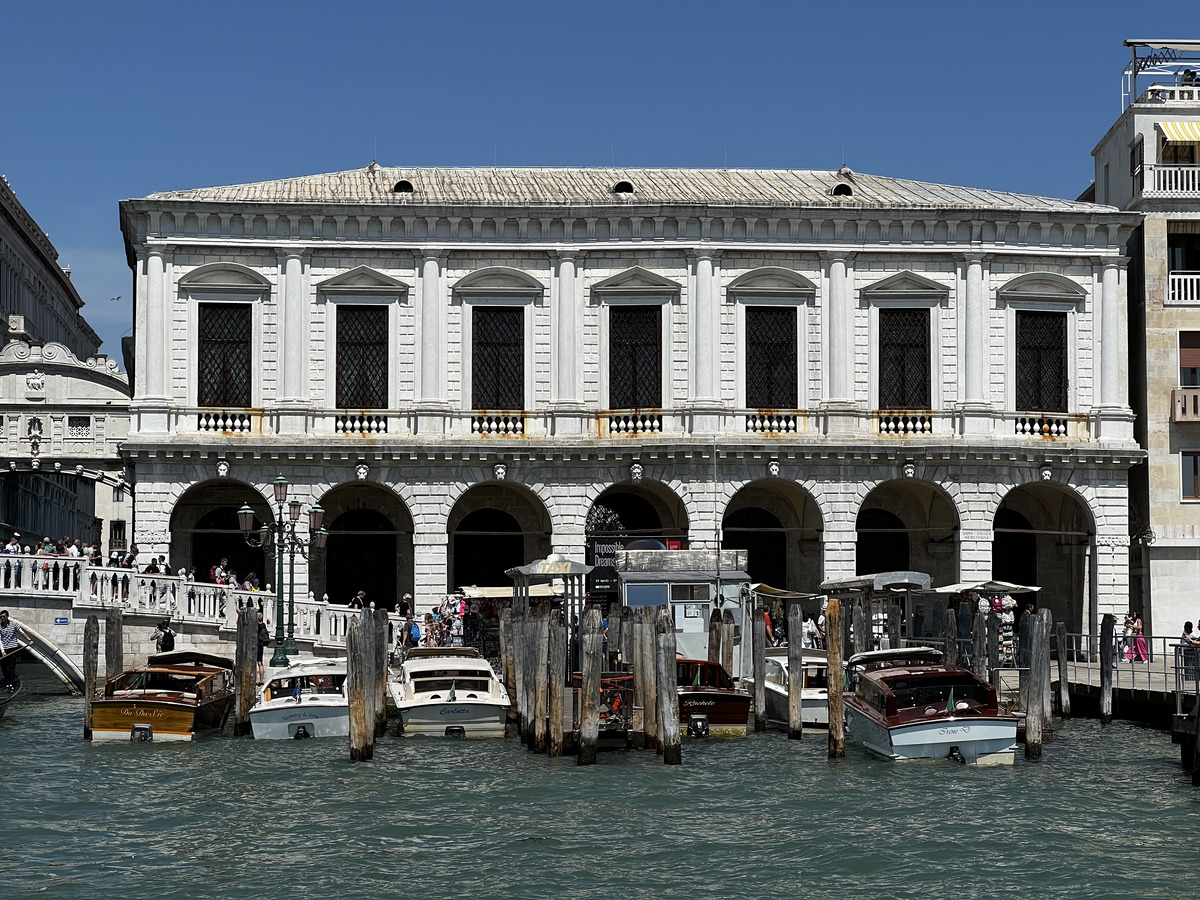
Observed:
{"x":727,"y":711}
{"x":115,"y":719}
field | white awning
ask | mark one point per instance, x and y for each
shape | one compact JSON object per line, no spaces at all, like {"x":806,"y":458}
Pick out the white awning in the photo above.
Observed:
{"x":1181,"y":132}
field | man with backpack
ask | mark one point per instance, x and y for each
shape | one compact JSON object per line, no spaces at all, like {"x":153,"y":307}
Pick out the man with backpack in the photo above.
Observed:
{"x":410,"y":637}
{"x":164,"y":637}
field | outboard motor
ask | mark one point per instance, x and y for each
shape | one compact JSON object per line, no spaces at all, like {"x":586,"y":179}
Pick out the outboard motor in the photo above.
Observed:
{"x":698,"y":726}
{"x":456,"y":731}
{"x":955,"y":755}
{"x":301,"y":733}
{"x":141,"y":733}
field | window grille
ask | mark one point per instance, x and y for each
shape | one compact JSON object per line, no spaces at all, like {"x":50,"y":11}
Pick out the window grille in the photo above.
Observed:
{"x":116,"y":535}
{"x":635,"y":357}
{"x":1041,"y":361}
{"x":904,"y":359}
{"x":224,"y":355}
{"x":498,"y":358}
{"x":79,"y":426}
{"x":362,"y":360}
{"x":770,"y":357}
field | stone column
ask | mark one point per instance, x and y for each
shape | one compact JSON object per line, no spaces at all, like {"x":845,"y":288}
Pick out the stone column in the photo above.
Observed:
{"x":705,"y":400}
{"x":150,"y":405}
{"x":431,"y":388}
{"x":975,"y":405}
{"x":568,"y":407}
{"x":1115,"y":419}
{"x":293,"y":347}
{"x":841,"y":410}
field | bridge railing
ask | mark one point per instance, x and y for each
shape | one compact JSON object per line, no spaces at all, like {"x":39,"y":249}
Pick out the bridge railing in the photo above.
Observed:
{"x":319,"y":622}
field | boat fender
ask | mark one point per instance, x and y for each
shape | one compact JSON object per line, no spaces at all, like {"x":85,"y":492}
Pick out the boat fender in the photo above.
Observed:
{"x":698,"y":726}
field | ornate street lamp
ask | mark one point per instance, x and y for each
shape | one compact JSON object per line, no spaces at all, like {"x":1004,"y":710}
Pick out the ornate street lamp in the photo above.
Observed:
{"x":283,"y":537}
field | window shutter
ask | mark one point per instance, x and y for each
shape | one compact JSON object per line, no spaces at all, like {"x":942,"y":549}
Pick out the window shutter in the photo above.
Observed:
{"x":1189,"y":349}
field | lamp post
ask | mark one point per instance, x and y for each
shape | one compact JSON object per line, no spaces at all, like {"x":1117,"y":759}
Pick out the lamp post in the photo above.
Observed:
{"x":283,"y":537}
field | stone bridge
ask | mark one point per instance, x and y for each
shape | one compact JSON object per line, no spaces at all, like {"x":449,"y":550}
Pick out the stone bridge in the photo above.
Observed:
{"x":52,"y":598}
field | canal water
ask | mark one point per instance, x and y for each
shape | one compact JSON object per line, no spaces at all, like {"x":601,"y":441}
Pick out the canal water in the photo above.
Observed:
{"x":1106,"y":813}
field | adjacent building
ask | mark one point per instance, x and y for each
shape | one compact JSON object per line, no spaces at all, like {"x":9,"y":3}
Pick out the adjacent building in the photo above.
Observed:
{"x":470,"y":368}
{"x":1149,"y":162}
{"x":64,"y":406}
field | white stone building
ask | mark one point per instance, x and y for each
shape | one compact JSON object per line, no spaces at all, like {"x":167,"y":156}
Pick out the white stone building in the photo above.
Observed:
{"x":469,"y":368}
{"x":1149,"y":161}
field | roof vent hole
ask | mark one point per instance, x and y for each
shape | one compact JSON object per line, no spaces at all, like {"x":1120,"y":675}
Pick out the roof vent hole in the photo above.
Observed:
{"x":403,"y":186}
{"x":623,"y":187}
{"x":842,"y":190}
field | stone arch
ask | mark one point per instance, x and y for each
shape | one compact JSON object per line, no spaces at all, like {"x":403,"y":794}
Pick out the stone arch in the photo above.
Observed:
{"x":370,"y":546}
{"x":1041,"y":286}
{"x":204,"y":528}
{"x":927,"y":536}
{"x":779,"y":524}
{"x":772,"y":280}
{"x":481,"y":547}
{"x":1058,"y":529}
{"x":498,"y":280}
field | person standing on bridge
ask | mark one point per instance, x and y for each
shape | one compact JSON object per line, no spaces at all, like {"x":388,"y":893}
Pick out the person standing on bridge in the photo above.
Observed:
{"x":9,"y":645}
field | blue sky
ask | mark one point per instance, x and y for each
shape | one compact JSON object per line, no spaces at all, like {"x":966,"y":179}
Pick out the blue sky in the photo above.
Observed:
{"x":105,"y":101}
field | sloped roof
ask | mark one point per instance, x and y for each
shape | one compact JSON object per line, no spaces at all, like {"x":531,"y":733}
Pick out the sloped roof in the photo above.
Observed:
{"x":594,"y":187}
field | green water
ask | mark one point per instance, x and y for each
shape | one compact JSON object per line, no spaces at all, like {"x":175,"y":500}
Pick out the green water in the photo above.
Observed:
{"x":1107,"y":813}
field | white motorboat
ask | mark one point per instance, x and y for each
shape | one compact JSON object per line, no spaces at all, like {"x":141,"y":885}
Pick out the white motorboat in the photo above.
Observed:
{"x":814,"y":693}
{"x":449,"y":691}
{"x":907,"y":704}
{"x":304,"y":700}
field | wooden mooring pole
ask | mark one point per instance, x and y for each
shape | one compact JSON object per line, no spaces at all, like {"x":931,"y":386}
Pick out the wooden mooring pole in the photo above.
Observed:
{"x":381,"y":670}
{"x":714,"y":636}
{"x":862,"y":630}
{"x":1064,"y":683}
{"x":993,"y":642}
{"x":114,"y":643}
{"x":245,"y":673}
{"x":1107,"y":626}
{"x":760,"y":669}
{"x":645,"y":683}
{"x":517,"y":652}
{"x":541,"y":686}
{"x":795,"y":626}
{"x":650,"y":716}
{"x":1024,"y":656}
{"x":506,"y":653}
{"x":556,"y":676}
{"x":359,"y":654}
{"x":979,"y":660}
{"x":591,"y":643}
{"x":950,"y":636}
{"x":1039,"y":675}
{"x":91,"y":654}
{"x":833,"y":653}
{"x":668,"y":693}
{"x":727,"y":627}
{"x":894,"y":626}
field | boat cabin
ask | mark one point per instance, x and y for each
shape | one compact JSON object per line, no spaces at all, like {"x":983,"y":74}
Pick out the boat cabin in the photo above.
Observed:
{"x":901,"y":694}
{"x":702,"y":673}
{"x":329,"y":683}
{"x":187,"y":683}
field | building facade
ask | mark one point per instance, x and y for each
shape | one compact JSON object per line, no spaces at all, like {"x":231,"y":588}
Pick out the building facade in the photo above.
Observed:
{"x":64,"y":406}
{"x":1149,"y":162}
{"x":470,"y":368}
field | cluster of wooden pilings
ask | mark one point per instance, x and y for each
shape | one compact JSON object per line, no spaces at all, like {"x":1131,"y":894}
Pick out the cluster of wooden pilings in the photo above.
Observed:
{"x":555,"y":715}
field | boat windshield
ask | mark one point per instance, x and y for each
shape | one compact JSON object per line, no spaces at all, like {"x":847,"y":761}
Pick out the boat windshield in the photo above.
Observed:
{"x":155,"y":681}
{"x":937,"y":692}
{"x":698,"y":673}
{"x":309,"y":684}
{"x":429,"y":685}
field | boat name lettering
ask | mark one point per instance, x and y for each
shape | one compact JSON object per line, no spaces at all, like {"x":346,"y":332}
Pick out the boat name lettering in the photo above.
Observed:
{"x":962,"y":729}
{"x":143,"y":713}
{"x":699,"y":702}
{"x":291,"y":717}
{"x":454,"y":711}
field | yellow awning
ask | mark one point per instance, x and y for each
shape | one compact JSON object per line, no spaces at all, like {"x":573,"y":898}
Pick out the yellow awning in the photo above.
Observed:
{"x":1181,"y":132}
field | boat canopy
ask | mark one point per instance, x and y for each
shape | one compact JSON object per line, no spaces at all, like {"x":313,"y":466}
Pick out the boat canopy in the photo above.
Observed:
{"x":780,"y":593}
{"x":683,"y":576}
{"x":879,"y":658}
{"x":544,"y":589}
{"x":189,"y":657}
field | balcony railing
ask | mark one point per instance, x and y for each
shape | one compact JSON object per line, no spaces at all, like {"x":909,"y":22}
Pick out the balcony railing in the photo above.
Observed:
{"x":1185,"y":405}
{"x":1173,"y":181}
{"x":899,"y":422}
{"x":1183,"y":289}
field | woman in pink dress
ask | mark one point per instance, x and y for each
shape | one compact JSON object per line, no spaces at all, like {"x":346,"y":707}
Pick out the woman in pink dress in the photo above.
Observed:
{"x":1137,"y":650}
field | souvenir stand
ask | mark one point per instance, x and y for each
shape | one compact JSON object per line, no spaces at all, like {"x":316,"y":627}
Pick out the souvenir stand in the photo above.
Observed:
{"x":989,"y":597}
{"x":882,"y":590}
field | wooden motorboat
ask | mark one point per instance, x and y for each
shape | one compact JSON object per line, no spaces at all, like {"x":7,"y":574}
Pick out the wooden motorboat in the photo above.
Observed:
{"x":305,"y":699}
{"x":448,"y":691}
{"x":173,"y":697}
{"x":814,"y":693}
{"x":709,"y":703}
{"x":907,"y":704}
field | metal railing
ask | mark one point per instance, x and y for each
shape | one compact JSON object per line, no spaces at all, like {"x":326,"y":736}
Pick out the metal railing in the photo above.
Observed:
{"x":1183,"y":288}
{"x":1173,"y":181}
